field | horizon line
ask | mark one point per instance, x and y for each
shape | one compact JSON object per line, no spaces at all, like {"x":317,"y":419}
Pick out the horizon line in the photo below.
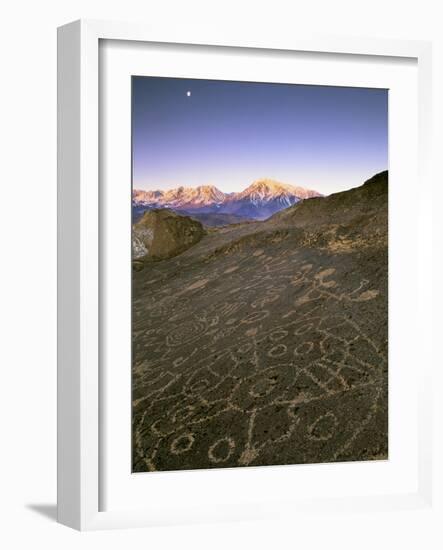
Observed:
{"x":153,"y":190}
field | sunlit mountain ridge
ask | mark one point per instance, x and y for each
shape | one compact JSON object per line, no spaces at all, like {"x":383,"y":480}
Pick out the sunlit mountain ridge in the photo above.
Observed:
{"x":259,"y":200}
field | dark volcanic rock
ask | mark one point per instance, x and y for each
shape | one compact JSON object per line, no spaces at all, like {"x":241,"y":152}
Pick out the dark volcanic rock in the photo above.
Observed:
{"x":266,"y":342}
{"x":162,"y":234}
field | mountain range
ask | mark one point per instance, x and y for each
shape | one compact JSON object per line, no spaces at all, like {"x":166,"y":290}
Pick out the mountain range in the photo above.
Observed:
{"x":258,"y":201}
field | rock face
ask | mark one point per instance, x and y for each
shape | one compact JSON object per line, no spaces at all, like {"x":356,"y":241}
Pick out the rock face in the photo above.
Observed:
{"x":267,"y":342}
{"x":162,"y":234}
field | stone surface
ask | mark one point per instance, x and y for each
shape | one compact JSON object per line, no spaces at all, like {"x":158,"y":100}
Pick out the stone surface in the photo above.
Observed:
{"x":266,"y":343}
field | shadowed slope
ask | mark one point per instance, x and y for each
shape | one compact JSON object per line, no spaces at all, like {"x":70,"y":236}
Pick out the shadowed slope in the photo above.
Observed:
{"x":339,"y":207}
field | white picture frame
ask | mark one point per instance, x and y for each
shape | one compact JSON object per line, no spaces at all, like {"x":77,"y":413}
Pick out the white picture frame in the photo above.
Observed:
{"x":80,"y":445}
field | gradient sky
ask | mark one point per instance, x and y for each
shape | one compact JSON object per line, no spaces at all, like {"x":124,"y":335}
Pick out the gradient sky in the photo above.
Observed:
{"x":229,"y":134}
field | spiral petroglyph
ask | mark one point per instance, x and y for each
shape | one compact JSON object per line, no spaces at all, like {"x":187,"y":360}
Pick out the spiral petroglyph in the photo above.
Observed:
{"x":185,"y":333}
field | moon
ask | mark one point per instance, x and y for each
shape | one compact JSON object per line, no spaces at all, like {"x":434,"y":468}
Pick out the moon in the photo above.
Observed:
{"x":188,"y":93}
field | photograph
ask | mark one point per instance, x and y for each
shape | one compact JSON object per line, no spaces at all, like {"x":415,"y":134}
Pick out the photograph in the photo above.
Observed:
{"x":259,"y":274}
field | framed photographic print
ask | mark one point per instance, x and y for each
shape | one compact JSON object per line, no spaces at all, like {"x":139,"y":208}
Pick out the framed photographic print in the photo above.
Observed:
{"x":259,"y":311}
{"x":234,"y":300}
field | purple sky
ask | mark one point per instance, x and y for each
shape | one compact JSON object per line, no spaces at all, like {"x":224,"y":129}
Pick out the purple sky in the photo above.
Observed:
{"x":229,"y":134}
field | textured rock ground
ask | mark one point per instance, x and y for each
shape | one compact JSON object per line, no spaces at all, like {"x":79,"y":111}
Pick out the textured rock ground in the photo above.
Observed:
{"x":266,"y":343}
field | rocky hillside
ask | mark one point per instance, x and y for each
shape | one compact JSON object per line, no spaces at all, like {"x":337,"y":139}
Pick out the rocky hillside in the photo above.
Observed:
{"x":358,"y":217}
{"x":267,"y":342}
{"x":340,"y":207}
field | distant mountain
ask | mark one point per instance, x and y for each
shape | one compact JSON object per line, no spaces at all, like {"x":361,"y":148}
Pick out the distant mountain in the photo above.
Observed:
{"x":261,"y":199}
{"x":181,"y":198}
{"x":265,"y":197}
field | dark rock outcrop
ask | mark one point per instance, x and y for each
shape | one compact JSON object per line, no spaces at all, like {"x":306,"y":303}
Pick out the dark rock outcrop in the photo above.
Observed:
{"x":162,"y":234}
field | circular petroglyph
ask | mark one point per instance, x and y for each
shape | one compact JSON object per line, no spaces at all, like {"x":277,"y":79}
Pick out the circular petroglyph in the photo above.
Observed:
{"x":304,"y":328}
{"x":163,"y":426}
{"x":278,"y":335}
{"x":277,"y":351}
{"x":221,"y":450}
{"x":182,"y":444}
{"x":185,"y":333}
{"x":323,"y":427}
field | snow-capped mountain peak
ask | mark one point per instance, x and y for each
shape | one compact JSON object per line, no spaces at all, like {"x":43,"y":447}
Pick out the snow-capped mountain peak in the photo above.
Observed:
{"x":203,"y":195}
{"x":268,"y":189}
{"x":259,"y":200}
{"x":208,"y":194}
{"x":264,"y":190}
{"x":180,"y":196}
